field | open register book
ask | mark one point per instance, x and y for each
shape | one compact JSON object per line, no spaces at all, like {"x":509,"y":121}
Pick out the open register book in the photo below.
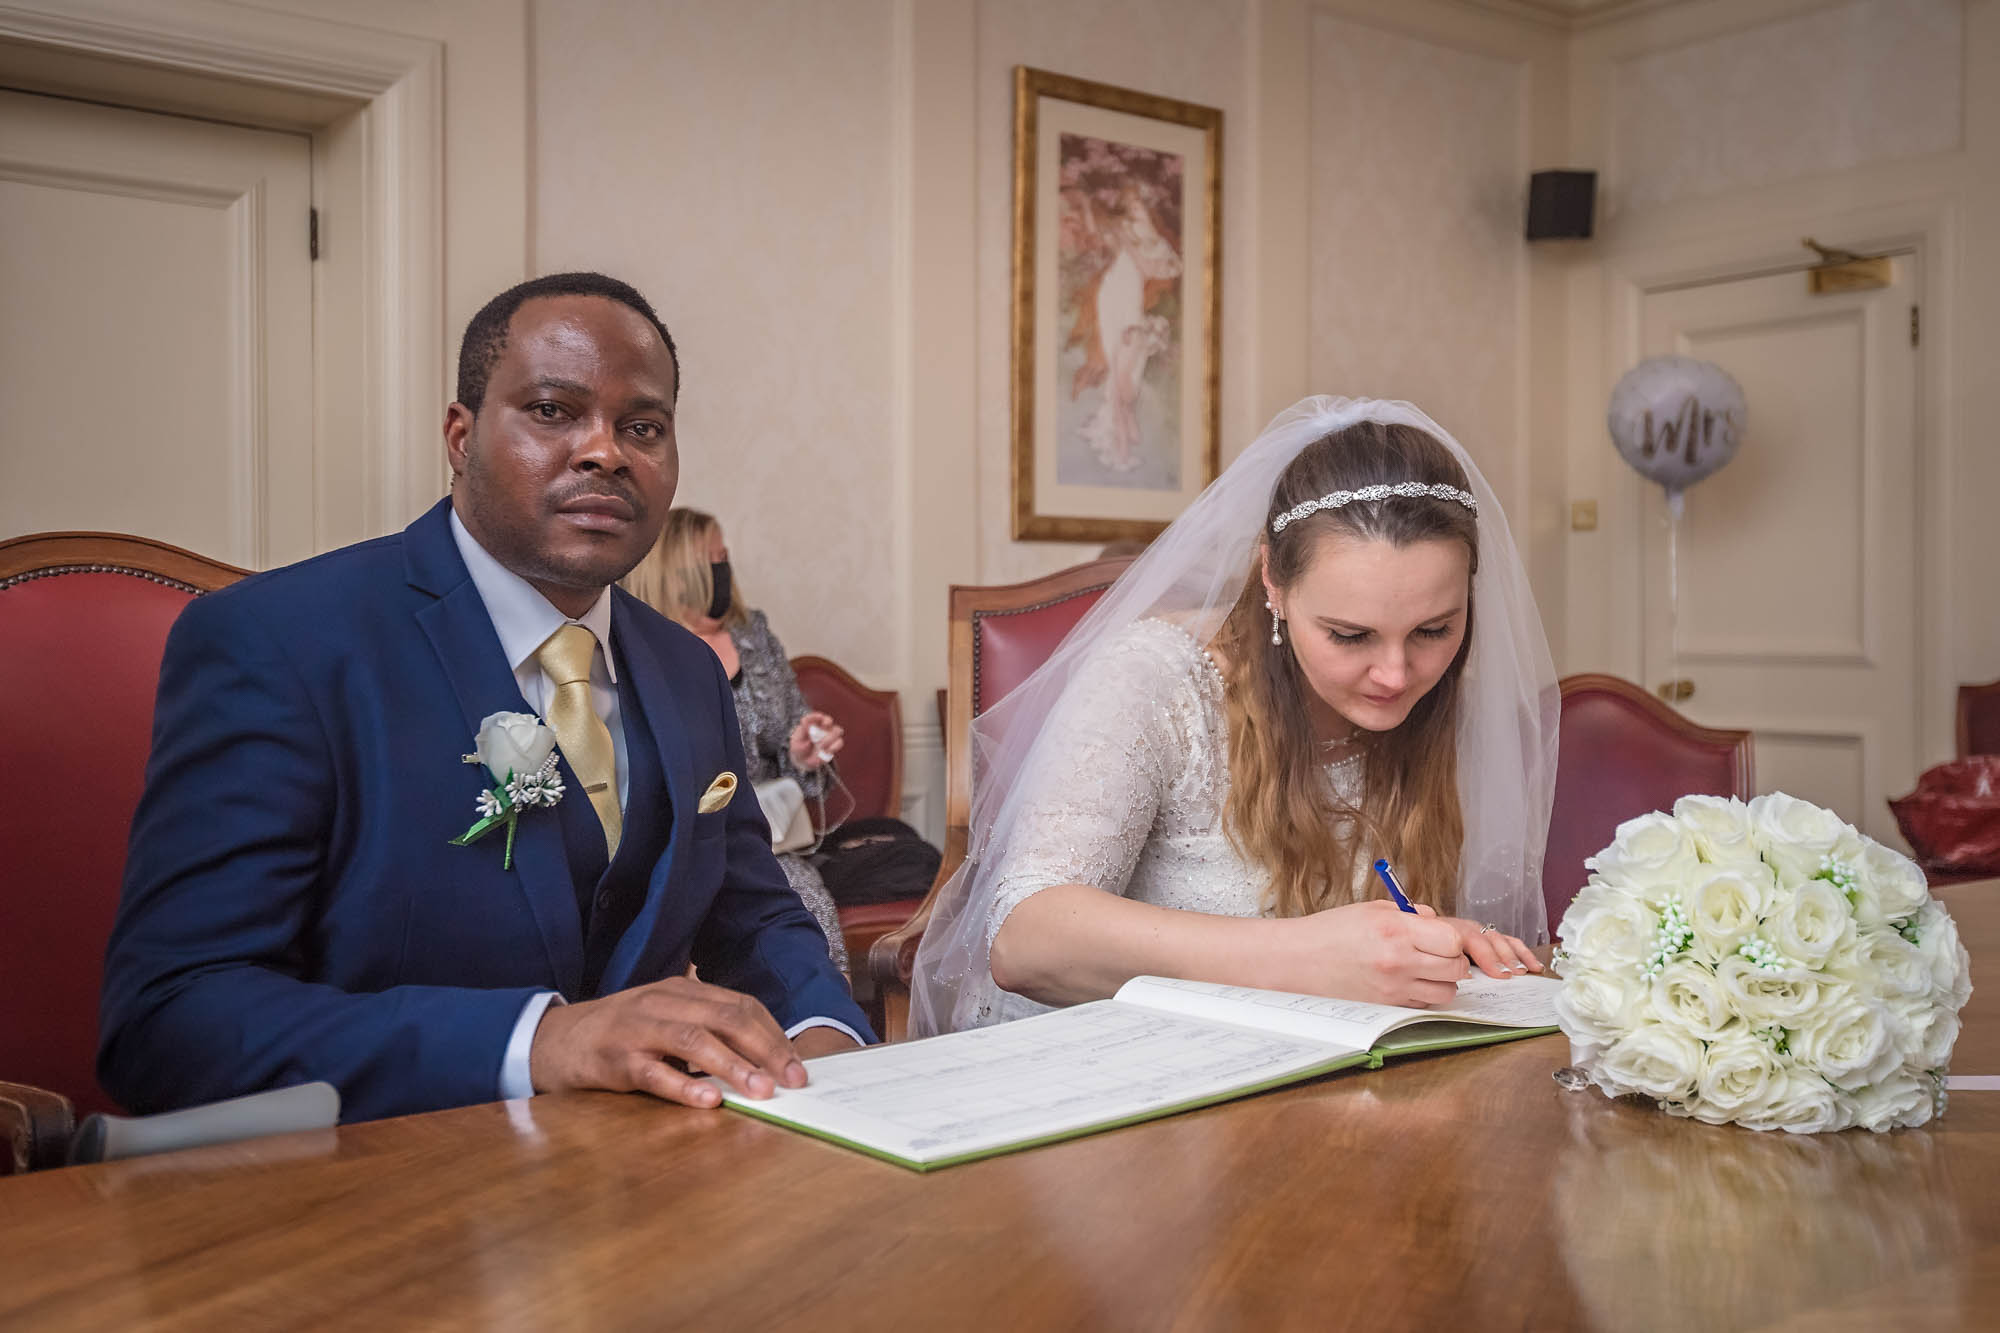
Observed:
{"x":1158,"y":1047}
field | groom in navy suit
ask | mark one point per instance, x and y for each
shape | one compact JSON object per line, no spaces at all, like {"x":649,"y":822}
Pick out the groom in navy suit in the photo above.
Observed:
{"x":294,"y":907}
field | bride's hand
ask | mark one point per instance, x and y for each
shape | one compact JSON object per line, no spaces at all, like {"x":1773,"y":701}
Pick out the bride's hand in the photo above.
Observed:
{"x":1373,"y":951}
{"x":1494,"y":954}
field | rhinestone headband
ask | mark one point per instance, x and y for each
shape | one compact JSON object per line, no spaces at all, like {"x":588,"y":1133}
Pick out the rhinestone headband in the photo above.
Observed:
{"x":1412,"y":490}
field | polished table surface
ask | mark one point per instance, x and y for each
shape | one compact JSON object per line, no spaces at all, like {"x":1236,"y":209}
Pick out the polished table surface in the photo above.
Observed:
{"x":1457,"y":1191}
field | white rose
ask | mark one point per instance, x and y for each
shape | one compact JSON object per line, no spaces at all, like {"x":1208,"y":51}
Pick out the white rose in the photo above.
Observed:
{"x":1848,"y":1041}
{"x":1935,"y":1035}
{"x":1810,"y":922}
{"x":1882,"y":960}
{"x":1795,"y":836}
{"x":1951,"y":968}
{"x":1900,"y":1100}
{"x":1595,"y":1009}
{"x":1720,"y":826}
{"x":1652,"y":853}
{"x":1890,"y":887}
{"x":1798,"y":1101}
{"x":1655,"y":1059}
{"x":1687,"y":995}
{"x":1738,"y":1072}
{"x":1766,"y":999}
{"x":511,"y":744}
{"x":1608,"y":928}
{"x":1723,"y":907}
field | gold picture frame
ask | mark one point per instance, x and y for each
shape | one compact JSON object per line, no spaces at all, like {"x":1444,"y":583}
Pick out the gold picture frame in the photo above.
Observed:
{"x":1117,"y":306}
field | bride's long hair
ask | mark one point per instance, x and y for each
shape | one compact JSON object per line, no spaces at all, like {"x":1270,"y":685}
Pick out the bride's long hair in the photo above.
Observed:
{"x":1282,"y":813}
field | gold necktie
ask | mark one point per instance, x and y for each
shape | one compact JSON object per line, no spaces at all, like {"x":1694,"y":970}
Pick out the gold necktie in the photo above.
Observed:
{"x":565,"y":657}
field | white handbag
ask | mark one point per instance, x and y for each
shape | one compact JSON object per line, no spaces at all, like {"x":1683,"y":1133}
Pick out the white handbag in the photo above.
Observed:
{"x":783,"y":802}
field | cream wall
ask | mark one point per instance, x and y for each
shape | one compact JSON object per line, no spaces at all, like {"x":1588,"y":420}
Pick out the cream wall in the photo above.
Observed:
{"x":737,"y":164}
{"x":1400,"y":133}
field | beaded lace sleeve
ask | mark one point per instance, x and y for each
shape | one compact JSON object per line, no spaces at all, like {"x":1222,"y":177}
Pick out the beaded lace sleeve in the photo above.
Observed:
{"x":1124,"y":739}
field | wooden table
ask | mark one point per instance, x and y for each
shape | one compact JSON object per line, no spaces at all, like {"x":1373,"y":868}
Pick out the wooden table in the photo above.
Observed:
{"x":1462,"y":1191}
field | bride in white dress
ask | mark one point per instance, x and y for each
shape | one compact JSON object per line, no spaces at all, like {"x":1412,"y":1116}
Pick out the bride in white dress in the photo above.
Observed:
{"x":1332,"y":656}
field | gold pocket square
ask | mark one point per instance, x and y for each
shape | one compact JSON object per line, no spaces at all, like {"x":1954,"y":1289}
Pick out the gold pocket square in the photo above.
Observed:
{"x":718,"y":793}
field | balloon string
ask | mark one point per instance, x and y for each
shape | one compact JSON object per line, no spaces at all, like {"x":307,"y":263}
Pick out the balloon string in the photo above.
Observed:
{"x":1676,"y":501}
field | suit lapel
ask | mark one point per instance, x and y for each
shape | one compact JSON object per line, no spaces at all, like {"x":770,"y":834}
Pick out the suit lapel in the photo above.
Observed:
{"x":461,"y":632}
{"x":666,"y":724}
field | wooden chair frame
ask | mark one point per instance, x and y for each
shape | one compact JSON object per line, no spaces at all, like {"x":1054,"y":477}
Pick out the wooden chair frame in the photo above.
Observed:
{"x":35,"y":1123}
{"x":889,"y":964}
{"x":46,"y":554}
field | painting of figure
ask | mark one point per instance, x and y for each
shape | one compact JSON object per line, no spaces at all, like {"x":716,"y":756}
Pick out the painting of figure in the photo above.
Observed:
{"x":1119,"y":304}
{"x":1116,"y":360}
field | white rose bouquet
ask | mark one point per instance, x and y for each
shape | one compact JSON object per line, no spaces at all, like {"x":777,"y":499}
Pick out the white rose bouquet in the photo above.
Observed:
{"x":1765,"y":964}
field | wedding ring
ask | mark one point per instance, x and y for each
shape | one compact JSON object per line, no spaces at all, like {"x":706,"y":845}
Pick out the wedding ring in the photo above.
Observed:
{"x":1488,"y":926}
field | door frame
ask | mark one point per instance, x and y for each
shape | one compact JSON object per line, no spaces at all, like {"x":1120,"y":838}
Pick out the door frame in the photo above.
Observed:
{"x":1927,"y":228}
{"x":372,"y":102}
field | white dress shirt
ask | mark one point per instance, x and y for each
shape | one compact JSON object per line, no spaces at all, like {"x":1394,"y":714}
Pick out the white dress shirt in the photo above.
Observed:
{"x":523,"y":619}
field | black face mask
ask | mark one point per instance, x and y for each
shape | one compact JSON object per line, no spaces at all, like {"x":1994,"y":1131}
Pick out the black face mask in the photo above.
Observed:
{"x":718,"y":575}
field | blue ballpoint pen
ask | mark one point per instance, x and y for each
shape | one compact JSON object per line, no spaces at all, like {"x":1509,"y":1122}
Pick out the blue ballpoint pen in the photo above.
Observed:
{"x":1395,"y":889}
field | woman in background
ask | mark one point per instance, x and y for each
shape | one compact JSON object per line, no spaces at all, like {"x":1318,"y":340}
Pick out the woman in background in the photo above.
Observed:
{"x":687,"y":577}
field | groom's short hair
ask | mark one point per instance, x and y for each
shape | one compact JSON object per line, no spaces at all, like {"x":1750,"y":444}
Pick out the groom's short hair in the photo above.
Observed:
{"x":486,"y":334}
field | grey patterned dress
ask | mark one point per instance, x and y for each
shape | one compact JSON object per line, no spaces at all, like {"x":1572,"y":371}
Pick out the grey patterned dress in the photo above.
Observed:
{"x":769,"y":705}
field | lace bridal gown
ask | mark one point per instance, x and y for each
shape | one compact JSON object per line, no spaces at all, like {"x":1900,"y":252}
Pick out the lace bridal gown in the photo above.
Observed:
{"x":1127,"y":789}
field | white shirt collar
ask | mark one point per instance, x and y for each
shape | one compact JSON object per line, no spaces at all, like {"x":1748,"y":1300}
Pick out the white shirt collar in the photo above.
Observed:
{"x":522,"y":617}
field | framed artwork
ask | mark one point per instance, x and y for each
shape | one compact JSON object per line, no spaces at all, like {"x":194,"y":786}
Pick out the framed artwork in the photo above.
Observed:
{"x":1117,"y":249}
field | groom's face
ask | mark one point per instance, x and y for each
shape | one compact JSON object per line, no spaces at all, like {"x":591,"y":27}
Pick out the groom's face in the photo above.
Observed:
{"x":568,"y":469}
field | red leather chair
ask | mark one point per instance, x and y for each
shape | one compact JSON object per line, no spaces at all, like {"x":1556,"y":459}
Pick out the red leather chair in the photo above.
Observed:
{"x":83,"y":622}
{"x":999,"y":635}
{"x":1623,"y":753}
{"x":871,"y":766}
{"x":1979,"y":719}
{"x":871,"y":760}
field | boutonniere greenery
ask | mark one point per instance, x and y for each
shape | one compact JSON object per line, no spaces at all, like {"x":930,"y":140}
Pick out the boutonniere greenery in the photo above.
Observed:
{"x":520,"y":756}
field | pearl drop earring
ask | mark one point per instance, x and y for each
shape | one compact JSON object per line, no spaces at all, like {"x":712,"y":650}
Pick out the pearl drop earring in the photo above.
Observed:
{"x":1277,"y":639}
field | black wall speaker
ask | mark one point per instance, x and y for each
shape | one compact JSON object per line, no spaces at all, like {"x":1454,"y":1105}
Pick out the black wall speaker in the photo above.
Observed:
{"x":1561,"y":204}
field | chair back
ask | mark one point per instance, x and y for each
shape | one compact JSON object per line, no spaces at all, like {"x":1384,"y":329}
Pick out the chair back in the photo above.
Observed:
{"x":83,"y":623}
{"x":871,"y":757}
{"x":1623,"y":753}
{"x":999,"y":635}
{"x":1979,"y":719}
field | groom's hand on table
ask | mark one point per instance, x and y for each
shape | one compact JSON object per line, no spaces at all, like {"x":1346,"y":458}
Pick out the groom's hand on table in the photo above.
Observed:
{"x":623,"y":1042}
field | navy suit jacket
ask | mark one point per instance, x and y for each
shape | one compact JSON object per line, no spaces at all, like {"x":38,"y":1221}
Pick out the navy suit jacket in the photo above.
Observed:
{"x":293,"y":909}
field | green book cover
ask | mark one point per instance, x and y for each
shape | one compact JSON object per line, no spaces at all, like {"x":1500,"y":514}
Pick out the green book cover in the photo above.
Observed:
{"x":1158,"y":1048}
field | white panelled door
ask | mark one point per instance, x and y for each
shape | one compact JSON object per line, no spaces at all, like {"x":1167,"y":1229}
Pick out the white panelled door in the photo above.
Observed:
{"x":156,"y":371}
{"x":1798,"y":562}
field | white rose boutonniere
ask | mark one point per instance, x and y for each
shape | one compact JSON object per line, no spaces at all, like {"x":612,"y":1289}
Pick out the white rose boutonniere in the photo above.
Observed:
{"x":519,"y":755}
